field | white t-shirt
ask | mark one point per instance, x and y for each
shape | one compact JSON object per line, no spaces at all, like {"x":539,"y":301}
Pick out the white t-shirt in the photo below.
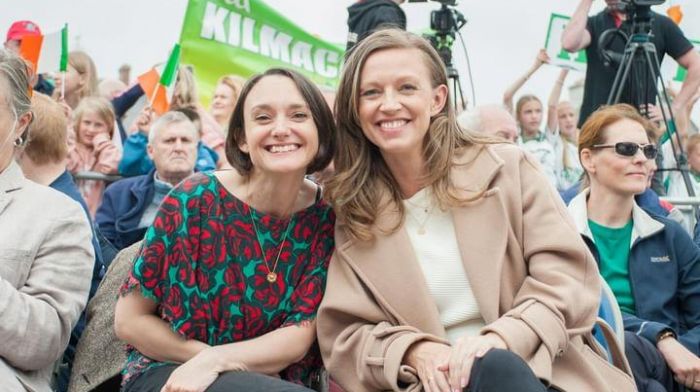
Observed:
{"x":543,"y":151}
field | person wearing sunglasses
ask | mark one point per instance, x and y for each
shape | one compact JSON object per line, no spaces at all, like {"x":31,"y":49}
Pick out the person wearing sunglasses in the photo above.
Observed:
{"x":650,"y":262}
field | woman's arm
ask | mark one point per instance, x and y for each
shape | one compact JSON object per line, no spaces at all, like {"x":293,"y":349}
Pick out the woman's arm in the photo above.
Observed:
{"x":136,"y":323}
{"x":541,"y":58}
{"x":553,"y":102}
{"x":268,"y":354}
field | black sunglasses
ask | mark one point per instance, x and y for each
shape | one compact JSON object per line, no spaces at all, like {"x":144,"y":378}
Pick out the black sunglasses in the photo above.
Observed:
{"x":629,"y":149}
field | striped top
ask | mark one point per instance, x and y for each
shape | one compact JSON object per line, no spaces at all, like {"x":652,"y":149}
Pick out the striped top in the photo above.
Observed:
{"x":432,"y":234}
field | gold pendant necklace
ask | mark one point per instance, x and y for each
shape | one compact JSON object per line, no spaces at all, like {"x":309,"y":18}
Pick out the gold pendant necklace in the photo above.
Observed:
{"x":271,"y":272}
{"x":421,"y":225}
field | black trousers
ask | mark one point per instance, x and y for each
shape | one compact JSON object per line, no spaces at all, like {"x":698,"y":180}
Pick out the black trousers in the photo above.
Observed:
{"x":651,"y":373}
{"x":154,"y":379}
{"x":502,"y":370}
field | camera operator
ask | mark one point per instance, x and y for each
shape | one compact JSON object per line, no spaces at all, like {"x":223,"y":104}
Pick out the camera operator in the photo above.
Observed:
{"x":583,"y":32}
{"x":367,"y":16}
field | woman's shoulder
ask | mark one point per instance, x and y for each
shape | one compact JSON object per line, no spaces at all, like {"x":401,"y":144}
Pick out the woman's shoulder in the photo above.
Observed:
{"x":194,"y":184}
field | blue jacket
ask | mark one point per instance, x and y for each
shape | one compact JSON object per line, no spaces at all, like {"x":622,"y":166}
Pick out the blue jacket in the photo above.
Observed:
{"x":135,"y":160}
{"x":664,"y":269}
{"x":123,"y":205}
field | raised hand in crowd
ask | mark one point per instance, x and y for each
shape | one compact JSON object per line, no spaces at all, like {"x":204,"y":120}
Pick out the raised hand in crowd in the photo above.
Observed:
{"x":144,"y":120}
{"x":541,"y":59}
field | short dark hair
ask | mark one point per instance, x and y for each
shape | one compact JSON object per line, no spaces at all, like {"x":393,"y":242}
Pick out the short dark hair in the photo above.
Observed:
{"x":320,"y":113}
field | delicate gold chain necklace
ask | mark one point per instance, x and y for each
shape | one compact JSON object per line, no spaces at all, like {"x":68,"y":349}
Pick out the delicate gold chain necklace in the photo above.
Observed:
{"x":428,"y":212}
{"x":271,"y":272}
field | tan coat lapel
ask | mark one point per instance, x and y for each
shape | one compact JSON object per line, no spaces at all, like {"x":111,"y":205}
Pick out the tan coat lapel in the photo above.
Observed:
{"x":481,"y":227}
{"x":389,"y":267}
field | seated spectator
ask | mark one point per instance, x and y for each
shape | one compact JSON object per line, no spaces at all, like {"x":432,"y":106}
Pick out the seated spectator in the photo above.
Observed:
{"x":456,"y":269}
{"x":129,"y":205}
{"x":94,"y":149}
{"x":224,"y":293}
{"x":43,"y":160}
{"x":136,"y":160}
{"x":650,"y":262}
{"x":224,"y":100}
{"x":46,"y":256}
{"x":492,"y":120}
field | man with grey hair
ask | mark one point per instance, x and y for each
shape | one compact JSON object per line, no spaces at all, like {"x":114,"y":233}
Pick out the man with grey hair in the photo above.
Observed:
{"x":129,"y":206}
{"x":490,"y":119}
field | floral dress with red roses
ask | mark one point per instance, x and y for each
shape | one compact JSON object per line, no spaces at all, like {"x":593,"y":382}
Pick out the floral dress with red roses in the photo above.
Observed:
{"x":202,"y":264}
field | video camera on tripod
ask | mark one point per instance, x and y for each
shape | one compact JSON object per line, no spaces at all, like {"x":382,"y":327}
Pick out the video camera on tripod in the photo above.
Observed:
{"x":446,"y":23}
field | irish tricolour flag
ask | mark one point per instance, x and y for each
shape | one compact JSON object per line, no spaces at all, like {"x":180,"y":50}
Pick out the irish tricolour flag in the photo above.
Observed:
{"x":47,"y":53}
{"x":158,"y":84}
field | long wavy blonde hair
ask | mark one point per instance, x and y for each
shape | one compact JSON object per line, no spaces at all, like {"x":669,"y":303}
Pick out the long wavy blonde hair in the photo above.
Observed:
{"x":362,"y":176}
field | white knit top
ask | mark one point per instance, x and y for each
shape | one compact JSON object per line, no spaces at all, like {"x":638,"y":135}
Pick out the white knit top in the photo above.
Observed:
{"x":432,"y":235}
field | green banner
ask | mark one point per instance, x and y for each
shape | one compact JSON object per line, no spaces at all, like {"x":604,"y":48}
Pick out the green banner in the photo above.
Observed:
{"x":557,"y":54}
{"x":244,"y":37}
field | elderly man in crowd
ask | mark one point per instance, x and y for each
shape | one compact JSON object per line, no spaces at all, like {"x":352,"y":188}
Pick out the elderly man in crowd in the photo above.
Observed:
{"x":129,"y":206}
{"x":493,"y":120}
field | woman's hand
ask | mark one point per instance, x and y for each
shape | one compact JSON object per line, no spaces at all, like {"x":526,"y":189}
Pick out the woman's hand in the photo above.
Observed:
{"x":195,"y":375}
{"x":684,"y":364}
{"x":464,"y":352}
{"x":426,"y":358}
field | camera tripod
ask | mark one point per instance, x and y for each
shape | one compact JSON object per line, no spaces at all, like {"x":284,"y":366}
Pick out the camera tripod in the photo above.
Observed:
{"x":640,"y":50}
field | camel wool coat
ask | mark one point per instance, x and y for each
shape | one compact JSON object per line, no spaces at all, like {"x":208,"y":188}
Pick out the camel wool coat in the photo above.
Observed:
{"x":536,"y":284}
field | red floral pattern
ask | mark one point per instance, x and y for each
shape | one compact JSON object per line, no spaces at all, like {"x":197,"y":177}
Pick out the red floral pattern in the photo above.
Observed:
{"x":201,"y":263}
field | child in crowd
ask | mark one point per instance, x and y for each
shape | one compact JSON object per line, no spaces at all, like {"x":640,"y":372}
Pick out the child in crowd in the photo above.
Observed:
{"x":562,"y":134}
{"x":93,"y":150}
{"x":528,"y":113}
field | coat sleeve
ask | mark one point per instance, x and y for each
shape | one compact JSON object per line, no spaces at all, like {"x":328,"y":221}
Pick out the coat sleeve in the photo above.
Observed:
{"x":560,"y":296}
{"x":361,"y":347}
{"x":42,"y":313}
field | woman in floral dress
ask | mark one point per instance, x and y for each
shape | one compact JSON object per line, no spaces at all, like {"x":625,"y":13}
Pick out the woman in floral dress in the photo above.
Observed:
{"x":224,"y":293}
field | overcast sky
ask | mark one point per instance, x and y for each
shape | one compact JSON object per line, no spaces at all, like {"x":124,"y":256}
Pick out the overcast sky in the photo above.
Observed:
{"x":502,"y":36}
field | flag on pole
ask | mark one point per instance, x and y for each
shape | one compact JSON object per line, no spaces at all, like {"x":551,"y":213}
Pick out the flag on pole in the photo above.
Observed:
{"x":675,"y":13}
{"x":158,"y":84}
{"x":46,"y":53}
